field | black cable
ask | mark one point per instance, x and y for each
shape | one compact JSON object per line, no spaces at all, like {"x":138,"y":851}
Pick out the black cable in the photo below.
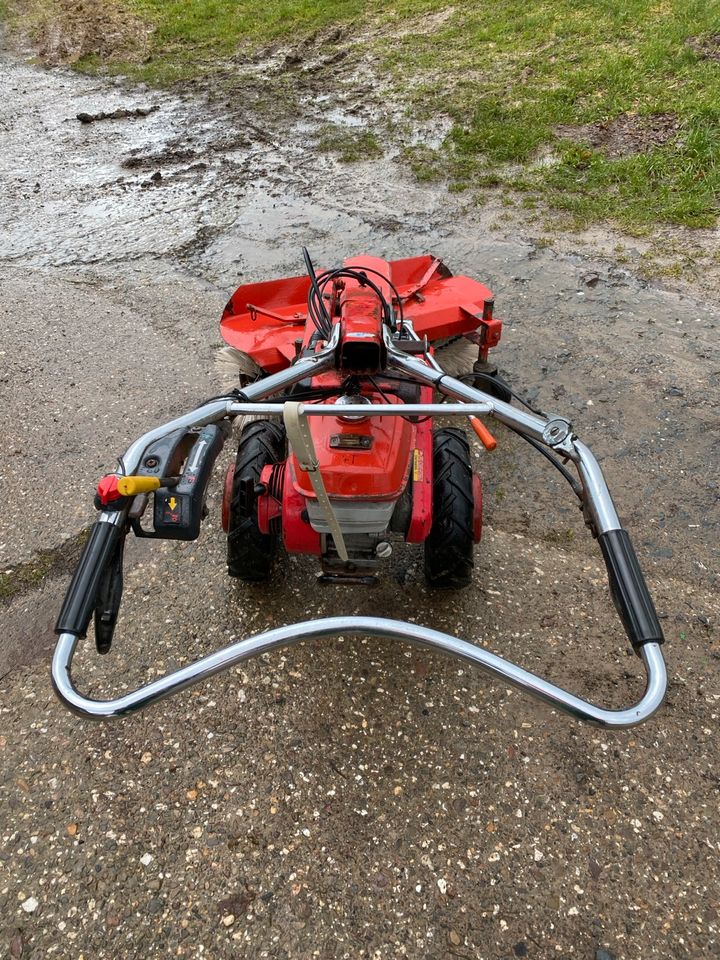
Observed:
{"x":322,"y":321}
{"x":317,"y":310}
{"x":233,"y":394}
{"x":489,"y":378}
{"x":410,"y":419}
{"x":319,"y":316}
{"x":401,"y":318}
{"x":360,"y":274}
{"x":573,"y":481}
{"x":320,"y":393}
{"x":378,"y":388}
{"x":345,"y":273}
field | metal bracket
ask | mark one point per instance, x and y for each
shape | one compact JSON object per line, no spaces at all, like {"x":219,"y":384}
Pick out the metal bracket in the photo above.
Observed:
{"x":556,"y":432}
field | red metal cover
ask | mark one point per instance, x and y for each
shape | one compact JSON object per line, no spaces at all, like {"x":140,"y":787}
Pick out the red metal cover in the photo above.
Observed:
{"x":265,"y":319}
{"x":379,"y":472}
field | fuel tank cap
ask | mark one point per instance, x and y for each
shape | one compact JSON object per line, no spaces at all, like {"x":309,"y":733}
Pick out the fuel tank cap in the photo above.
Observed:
{"x":346,"y":400}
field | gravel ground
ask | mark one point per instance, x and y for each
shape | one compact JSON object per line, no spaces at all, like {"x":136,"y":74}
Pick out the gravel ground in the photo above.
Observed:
{"x":352,"y":798}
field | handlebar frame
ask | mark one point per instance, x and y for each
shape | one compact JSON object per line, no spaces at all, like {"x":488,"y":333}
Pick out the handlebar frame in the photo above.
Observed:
{"x":627,"y":585}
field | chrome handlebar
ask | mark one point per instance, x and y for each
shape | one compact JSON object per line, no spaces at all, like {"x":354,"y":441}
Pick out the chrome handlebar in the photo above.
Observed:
{"x":628,"y":589}
{"x":368,"y":626}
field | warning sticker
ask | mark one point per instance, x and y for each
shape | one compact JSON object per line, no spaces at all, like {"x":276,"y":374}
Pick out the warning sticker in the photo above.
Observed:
{"x":417,"y":466}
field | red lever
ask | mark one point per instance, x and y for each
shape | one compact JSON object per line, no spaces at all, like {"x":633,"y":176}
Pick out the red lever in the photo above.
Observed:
{"x":107,"y":489}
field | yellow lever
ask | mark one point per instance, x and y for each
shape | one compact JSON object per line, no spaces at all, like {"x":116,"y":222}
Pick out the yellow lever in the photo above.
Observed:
{"x":130,"y":486}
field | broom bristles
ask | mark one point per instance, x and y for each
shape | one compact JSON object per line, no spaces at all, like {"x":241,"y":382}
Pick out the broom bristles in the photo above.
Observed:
{"x":231,"y":365}
{"x":457,"y":356}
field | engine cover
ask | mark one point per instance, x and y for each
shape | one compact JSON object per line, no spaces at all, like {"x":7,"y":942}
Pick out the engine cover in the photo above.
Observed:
{"x":364,"y":459}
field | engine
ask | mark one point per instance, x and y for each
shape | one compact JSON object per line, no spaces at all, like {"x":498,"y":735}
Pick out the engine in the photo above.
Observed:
{"x":377,"y":475}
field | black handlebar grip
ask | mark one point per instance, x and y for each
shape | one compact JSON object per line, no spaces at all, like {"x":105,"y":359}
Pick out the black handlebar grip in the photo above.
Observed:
{"x":80,"y":598}
{"x":628,"y":589}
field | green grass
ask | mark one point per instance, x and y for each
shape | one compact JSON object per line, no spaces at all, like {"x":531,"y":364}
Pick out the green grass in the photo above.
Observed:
{"x":191,"y":37}
{"x":349,"y":145}
{"x":219,"y":25}
{"x":509,"y":74}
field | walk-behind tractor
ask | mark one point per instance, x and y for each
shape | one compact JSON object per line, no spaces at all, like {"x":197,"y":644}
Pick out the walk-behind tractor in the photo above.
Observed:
{"x":339,"y":377}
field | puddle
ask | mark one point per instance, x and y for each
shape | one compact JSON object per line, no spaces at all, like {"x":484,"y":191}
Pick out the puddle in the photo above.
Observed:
{"x":183,"y":186}
{"x":190,"y":189}
{"x":111,"y":191}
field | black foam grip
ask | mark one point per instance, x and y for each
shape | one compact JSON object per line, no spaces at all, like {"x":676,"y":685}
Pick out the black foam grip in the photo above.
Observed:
{"x":80,"y":598}
{"x":628,"y":588}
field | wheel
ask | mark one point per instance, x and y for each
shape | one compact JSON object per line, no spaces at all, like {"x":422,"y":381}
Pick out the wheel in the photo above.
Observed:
{"x":250,"y":553}
{"x":488,"y":379}
{"x":449,"y":546}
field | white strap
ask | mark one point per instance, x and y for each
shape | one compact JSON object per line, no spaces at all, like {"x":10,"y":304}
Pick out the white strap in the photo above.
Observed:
{"x":301,"y":443}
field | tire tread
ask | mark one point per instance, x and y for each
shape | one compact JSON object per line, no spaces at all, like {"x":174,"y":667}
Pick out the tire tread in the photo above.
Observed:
{"x":449,"y":546}
{"x":250,"y":553}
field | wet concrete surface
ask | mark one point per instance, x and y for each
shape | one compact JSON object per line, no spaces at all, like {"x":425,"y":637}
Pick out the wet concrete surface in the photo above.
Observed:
{"x":353,"y":798}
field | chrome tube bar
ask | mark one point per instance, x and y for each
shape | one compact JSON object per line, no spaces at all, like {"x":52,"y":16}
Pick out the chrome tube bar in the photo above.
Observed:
{"x":600,"y":509}
{"x":419,"y":636}
{"x":599,"y":502}
{"x":396,"y":409}
{"x":367,"y":410}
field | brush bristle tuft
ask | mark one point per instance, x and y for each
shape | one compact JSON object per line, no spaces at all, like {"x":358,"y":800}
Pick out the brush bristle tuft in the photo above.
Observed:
{"x":233,"y":368}
{"x":457,"y":357}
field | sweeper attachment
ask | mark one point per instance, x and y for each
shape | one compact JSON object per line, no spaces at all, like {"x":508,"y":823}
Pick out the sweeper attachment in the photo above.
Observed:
{"x":339,"y":377}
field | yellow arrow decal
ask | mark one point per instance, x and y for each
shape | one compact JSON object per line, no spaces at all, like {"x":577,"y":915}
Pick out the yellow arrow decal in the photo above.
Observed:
{"x":172,"y":503}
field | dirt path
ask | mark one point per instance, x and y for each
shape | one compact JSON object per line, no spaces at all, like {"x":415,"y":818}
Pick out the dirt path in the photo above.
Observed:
{"x":347,"y":799}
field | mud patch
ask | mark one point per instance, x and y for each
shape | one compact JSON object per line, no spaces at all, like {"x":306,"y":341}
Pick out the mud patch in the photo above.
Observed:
{"x":706,"y":47}
{"x":625,"y":135}
{"x":311,"y":52}
{"x":136,"y":160}
{"x":121,"y":113}
{"x":178,"y":152}
{"x":65,"y":33}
